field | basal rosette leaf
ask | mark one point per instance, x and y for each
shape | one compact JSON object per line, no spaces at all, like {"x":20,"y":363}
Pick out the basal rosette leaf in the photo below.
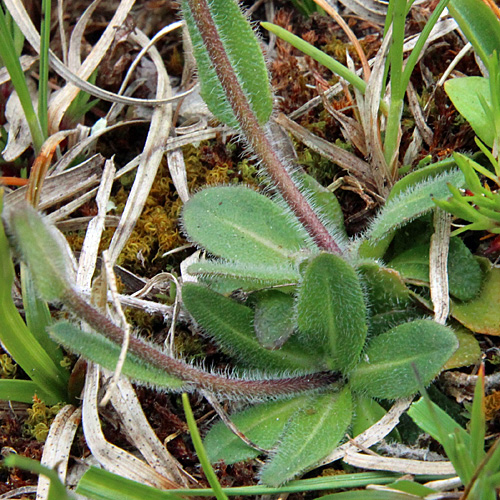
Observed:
{"x":241,"y":225}
{"x":412,"y":203}
{"x":331,"y":311}
{"x":231,"y":325}
{"x":387,"y":367}
{"x":262,"y":424}
{"x":243,"y":50}
{"x":311,"y":435}
{"x":106,"y":353}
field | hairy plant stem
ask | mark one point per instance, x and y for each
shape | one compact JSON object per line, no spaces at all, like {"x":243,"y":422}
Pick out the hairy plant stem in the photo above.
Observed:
{"x":195,"y":377}
{"x":259,"y":141}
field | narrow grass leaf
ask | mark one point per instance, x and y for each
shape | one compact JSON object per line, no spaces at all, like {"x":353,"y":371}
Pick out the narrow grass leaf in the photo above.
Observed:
{"x":311,"y":435}
{"x":104,"y":352}
{"x":243,"y":50}
{"x":239,"y":224}
{"x":369,"y":495}
{"x":478,"y":421}
{"x":412,"y":203}
{"x":387,"y":368}
{"x":231,"y":326}
{"x":262,"y":424}
{"x":21,"y":391}
{"x":331,"y":311}
{"x":200,"y":450}
{"x":57,"y":490}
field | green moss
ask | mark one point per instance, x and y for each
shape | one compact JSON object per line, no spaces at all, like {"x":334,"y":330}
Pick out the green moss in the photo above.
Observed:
{"x":40,"y":417}
{"x":8,"y":368}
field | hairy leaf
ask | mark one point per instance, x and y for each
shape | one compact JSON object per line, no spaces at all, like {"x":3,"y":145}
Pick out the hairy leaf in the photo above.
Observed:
{"x":464,"y":272}
{"x":311,"y":435}
{"x":467,"y":95}
{"x":387,"y":370}
{"x":104,"y":352}
{"x":274,"y":319}
{"x":225,"y":276}
{"x":231,"y":326}
{"x":331,"y":312}
{"x":262,"y":424}
{"x":239,"y":224}
{"x":243,"y":50}
{"x":366,"y":413}
{"x":390,"y":303}
{"x":412,"y":203}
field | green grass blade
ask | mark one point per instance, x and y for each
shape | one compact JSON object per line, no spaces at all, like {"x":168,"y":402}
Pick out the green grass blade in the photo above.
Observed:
{"x":200,"y":450}
{"x":43,"y":83}
{"x":20,"y":390}
{"x":478,"y":421}
{"x":318,"y":55}
{"x":57,"y":491}
{"x":11,"y":61}
{"x":99,"y":484}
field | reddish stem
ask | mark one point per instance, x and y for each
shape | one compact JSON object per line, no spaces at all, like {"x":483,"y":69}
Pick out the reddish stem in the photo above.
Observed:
{"x":254,"y":133}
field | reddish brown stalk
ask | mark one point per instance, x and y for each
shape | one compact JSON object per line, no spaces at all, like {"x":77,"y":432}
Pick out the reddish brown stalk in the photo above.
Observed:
{"x":254,"y":133}
{"x":194,"y":377}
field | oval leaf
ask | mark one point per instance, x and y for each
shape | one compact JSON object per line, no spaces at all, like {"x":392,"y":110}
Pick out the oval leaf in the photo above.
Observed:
{"x":262,"y":424}
{"x":239,"y":224}
{"x":466,"y":95}
{"x":243,"y":50}
{"x":387,"y":370}
{"x":331,"y":311}
{"x":482,"y":315}
{"x":231,"y":326}
{"x":311,"y":435}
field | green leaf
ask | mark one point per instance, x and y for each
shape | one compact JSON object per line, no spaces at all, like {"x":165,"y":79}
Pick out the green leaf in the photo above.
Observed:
{"x":225,"y":276}
{"x":200,"y":450}
{"x":468,"y":352}
{"x":368,"y":495}
{"x":482,"y":315}
{"x":366,"y":412}
{"x":387,"y":368}
{"x":274,"y":320}
{"x":104,"y":352}
{"x":18,"y":340}
{"x":311,"y":435}
{"x":412,"y":203}
{"x":464,"y":272}
{"x":239,"y":224}
{"x":41,"y":249}
{"x":262,"y":424}
{"x":231,"y":326}
{"x":19,"y":390}
{"x":466,"y":95}
{"x":479,"y":24}
{"x":389,"y":298}
{"x":243,"y":50}
{"x":331,"y":311}
{"x":411,"y":487}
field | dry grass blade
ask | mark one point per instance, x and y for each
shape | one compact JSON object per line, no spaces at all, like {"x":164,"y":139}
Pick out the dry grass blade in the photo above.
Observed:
{"x":26,"y":63}
{"x":150,"y":158}
{"x":126,"y":404}
{"x":352,"y":37}
{"x":57,"y":446}
{"x":371,"y":10}
{"x":438,"y":265}
{"x":58,"y":188}
{"x":402,"y":465}
{"x":341,"y":157}
{"x":111,"y":457}
{"x":177,"y":169}
{"x":424,"y":129}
